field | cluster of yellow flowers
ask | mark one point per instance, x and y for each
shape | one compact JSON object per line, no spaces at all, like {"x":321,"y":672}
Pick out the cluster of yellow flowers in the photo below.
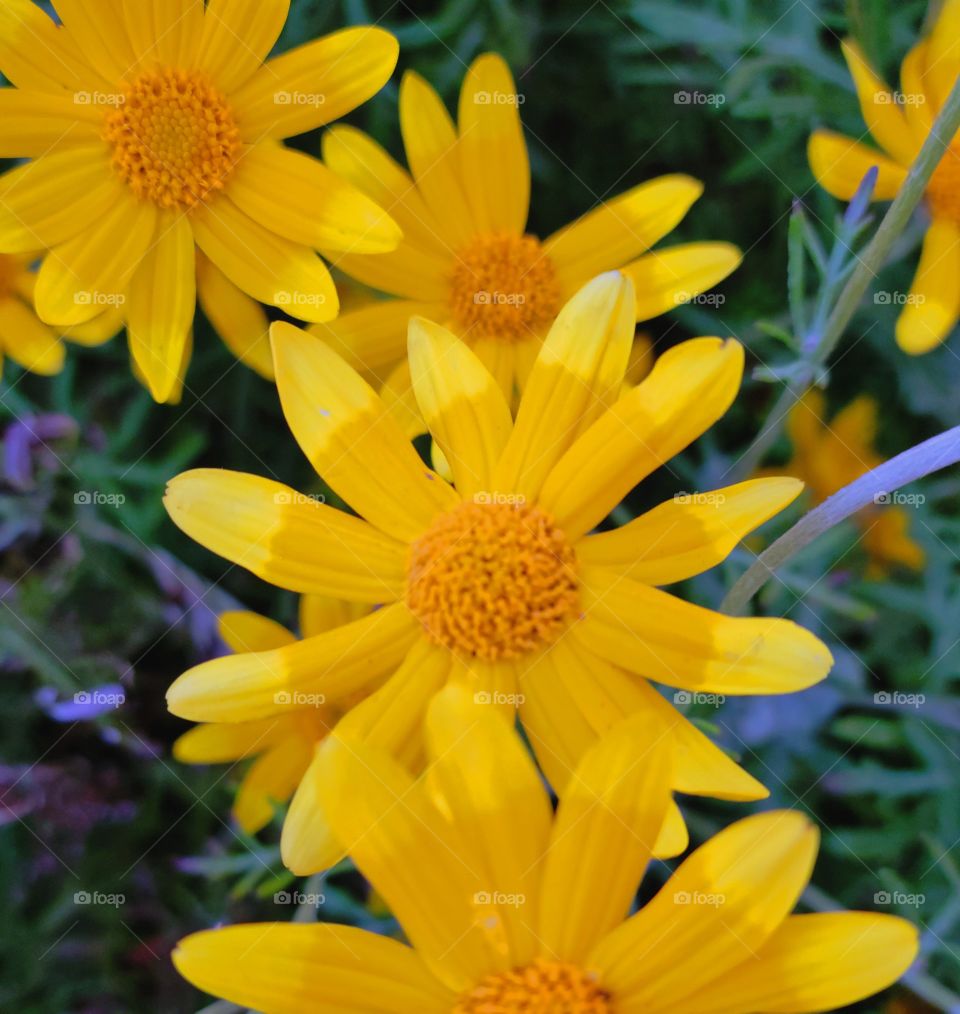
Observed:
{"x":464,"y":597}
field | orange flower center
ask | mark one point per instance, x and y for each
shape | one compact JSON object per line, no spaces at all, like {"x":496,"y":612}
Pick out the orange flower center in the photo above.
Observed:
{"x":493,"y":580}
{"x":174,"y":138}
{"x":504,"y":286}
{"x":542,"y":987}
{"x":943,"y":190}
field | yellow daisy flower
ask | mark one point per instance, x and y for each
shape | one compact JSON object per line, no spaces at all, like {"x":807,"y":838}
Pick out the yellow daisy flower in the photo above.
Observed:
{"x":466,"y":259}
{"x":899,"y":123}
{"x":152,"y":128}
{"x":283,"y":745}
{"x":24,"y":337}
{"x":828,"y":457}
{"x":508,"y":907}
{"x":497,"y":584}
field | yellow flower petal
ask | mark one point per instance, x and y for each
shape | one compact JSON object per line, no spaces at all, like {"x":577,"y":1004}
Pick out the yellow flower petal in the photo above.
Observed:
{"x":577,"y":374}
{"x":920,"y":111}
{"x":618,"y":230}
{"x":50,"y":200}
{"x":461,"y":403}
{"x":881,"y":112}
{"x":285,"y":537}
{"x":674,"y":838}
{"x":391,"y":719}
{"x":840,"y":163}
{"x":397,"y":394}
{"x":351,"y":440}
{"x":270,"y":781}
{"x":161,"y":303}
{"x":483,"y":781}
{"x":99,"y":34}
{"x":433,"y":154}
{"x":943,"y":56}
{"x":689,"y":388}
{"x":34,"y":53}
{"x":239,"y":320}
{"x":690,"y":533}
{"x":669,"y":278}
{"x":493,"y":153}
{"x":299,"y":198}
{"x":681,"y":644}
{"x":167,"y":33}
{"x":287,"y":968}
{"x":237,"y":37}
{"x":722,"y":904}
{"x":813,"y":962}
{"x":409,"y":852}
{"x":606,"y":827}
{"x":374,"y":336}
{"x":96,"y":331}
{"x":318,"y":613}
{"x":243,"y":630}
{"x":934,"y":307}
{"x":218,"y":743}
{"x":33,"y":124}
{"x":82,"y":276}
{"x":27,"y":340}
{"x":307,"y":842}
{"x":315,"y":84}
{"x":305,"y":674}
{"x":358,"y":158}
{"x":265,"y":265}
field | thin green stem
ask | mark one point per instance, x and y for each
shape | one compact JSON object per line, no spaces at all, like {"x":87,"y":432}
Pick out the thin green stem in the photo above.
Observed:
{"x":876,"y":487}
{"x":869,"y":265}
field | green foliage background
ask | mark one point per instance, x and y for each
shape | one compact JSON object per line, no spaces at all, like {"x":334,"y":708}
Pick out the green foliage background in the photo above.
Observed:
{"x":86,"y":599}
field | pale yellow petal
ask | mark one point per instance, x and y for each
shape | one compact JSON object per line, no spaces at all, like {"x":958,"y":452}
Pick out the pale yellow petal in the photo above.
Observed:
{"x":666,"y":279}
{"x":620,"y":229}
{"x":315,"y":83}
{"x":813,"y":962}
{"x":666,"y":639}
{"x":606,"y":828}
{"x":840,"y":164}
{"x":270,"y":782}
{"x":288,"y":968}
{"x":493,"y":153}
{"x":243,"y":630}
{"x":462,"y":404}
{"x":161,"y":303}
{"x":240,"y":320}
{"x":351,"y":439}
{"x":285,"y":537}
{"x":237,"y":37}
{"x":263,"y":264}
{"x":690,"y":387}
{"x":933,"y":307}
{"x":307,"y":674}
{"x":82,"y":277}
{"x":576,"y":376}
{"x":299,"y":198}
{"x":722,"y":904}
{"x":690,"y":533}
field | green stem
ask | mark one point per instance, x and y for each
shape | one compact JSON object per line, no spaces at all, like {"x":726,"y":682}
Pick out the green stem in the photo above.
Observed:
{"x":873,"y":488}
{"x":868,"y":267}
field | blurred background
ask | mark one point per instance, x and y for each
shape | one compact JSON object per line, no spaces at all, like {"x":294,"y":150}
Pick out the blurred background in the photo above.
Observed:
{"x":110,"y":850}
